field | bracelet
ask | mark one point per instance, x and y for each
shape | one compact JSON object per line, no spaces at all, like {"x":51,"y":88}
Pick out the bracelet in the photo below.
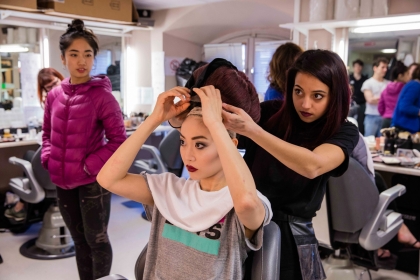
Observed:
{"x":173,"y":126}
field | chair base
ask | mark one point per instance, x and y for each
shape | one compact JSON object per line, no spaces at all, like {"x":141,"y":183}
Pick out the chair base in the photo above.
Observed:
{"x":339,"y":268}
{"x":30,"y":250}
{"x":53,"y":241}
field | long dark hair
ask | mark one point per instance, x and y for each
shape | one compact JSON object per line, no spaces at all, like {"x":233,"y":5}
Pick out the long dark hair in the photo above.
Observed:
{"x":77,"y":30}
{"x":328,"y":68}
{"x":399,"y":69}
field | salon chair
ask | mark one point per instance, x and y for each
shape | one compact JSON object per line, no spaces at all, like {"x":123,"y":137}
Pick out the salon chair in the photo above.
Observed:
{"x":354,"y":217}
{"x":353,"y":121}
{"x":165,"y":159}
{"x":262,"y":264}
{"x":54,"y":240}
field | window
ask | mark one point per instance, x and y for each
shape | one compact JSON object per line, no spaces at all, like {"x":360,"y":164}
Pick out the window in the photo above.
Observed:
{"x":234,"y":53}
{"x":102,"y":61}
{"x":263,"y":53}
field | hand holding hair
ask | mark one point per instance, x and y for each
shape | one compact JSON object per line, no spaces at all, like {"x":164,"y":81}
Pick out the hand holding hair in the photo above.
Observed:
{"x":211,"y":104}
{"x":237,"y":120}
{"x":165,"y":107}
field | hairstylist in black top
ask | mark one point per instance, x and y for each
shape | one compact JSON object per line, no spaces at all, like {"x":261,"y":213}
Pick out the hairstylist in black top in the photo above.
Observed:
{"x":295,"y":148}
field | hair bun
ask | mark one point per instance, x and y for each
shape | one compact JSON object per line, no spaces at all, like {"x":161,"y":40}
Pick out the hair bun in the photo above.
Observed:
{"x":76,"y":24}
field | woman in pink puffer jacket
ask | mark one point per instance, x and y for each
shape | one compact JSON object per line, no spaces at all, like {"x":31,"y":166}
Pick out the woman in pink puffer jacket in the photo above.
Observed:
{"x":389,"y":96}
{"x":78,"y":116}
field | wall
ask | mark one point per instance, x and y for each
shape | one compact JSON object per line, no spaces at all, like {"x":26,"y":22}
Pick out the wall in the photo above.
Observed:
{"x":138,"y":69}
{"x":55,"y":54}
{"x":403,"y":7}
{"x":176,"y":47}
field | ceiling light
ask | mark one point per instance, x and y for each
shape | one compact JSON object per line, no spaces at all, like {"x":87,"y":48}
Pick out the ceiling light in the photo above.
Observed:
{"x":388,"y":20}
{"x":13,"y":48}
{"x":387,"y":28}
{"x":389,"y":51}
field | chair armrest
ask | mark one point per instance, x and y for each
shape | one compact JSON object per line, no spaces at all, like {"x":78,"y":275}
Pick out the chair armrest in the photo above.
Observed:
{"x":113,"y":277}
{"x":156,"y":157}
{"x":140,"y":264}
{"x":35,"y":193}
{"x":266,"y":261}
{"x":384,"y":224}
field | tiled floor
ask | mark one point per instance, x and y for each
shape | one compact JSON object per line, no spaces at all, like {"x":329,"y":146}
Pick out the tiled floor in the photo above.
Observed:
{"x":128,"y":233}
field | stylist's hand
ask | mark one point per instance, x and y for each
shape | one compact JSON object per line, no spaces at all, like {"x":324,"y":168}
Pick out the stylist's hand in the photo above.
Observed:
{"x":165,"y":107}
{"x":211,"y":104}
{"x":237,"y":120}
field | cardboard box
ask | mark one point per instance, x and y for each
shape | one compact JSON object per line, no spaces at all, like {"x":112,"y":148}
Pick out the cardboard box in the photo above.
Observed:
{"x":117,"y":11}
{"x":20,"y":5}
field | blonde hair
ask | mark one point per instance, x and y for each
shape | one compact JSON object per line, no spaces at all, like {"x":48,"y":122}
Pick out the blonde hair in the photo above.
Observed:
{"x":197,"y":111}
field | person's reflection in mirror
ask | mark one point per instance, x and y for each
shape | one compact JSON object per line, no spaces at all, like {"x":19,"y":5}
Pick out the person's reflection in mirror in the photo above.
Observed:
{"x":48,"y":78}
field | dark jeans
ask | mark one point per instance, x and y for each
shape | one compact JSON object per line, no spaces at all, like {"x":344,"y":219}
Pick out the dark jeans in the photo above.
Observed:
{"x":86,"y":211}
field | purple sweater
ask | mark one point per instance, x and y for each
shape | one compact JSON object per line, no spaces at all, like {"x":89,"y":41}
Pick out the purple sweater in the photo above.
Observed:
{"x":76,"y":120}
{"x":389,"y":98}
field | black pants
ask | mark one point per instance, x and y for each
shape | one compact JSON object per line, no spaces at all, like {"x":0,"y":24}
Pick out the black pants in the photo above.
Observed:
{"x":361,"y":118}
{"x":86,"y":211}
{"x":386,"y":122}
{"x":289,"y":262}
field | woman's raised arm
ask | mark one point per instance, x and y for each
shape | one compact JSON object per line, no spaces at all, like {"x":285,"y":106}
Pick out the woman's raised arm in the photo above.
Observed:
{"x":310,"y":164}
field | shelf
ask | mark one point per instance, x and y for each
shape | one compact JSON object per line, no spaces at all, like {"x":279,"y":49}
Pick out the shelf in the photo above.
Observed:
{"x":4,"y":69}
{"x":330,"y":25}
{"x":42,"y":20}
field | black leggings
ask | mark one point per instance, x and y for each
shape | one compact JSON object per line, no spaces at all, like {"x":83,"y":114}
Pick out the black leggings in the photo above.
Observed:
{"x":86,"y":211}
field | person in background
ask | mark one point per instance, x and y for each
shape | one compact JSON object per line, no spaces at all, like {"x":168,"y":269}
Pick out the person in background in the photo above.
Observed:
{"x":407,"y":112}
{"x":48,"y":78}
{"x":356,"y":81}
{"x":282,"y":59}
{"x":295,"y":148}
{"x":372,"y":89}
{"x":411,"y":69}
{"x":83,"y":127}
{"x":389,"y":97}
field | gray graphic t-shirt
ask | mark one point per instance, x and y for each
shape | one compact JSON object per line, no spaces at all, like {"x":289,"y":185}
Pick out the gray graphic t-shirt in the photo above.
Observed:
{"x":216,"y":253}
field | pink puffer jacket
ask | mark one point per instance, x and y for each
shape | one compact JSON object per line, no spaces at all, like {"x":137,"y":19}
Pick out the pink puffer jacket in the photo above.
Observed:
{"x":76,"y":119}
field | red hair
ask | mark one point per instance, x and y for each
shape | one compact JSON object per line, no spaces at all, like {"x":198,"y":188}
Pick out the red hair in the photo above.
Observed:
{"x":46,"y":76}
{"x":235,"y":88}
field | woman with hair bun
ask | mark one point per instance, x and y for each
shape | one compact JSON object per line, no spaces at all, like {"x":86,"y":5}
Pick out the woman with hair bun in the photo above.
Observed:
{"x":83,"y":126}
{"x":203,"y":227}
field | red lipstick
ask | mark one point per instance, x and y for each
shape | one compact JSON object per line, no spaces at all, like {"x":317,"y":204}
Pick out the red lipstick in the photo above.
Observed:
{"x":305,"y":114}
{"x":191,"y":168}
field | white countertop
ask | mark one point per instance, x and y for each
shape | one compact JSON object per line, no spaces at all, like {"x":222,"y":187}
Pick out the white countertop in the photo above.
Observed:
{"x":18,"y":143}
{"x":396,"y":169}
{"x":159,"y":129}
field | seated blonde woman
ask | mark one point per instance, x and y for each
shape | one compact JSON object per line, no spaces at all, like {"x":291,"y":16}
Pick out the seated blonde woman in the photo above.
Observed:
{"x":203,"y":227}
